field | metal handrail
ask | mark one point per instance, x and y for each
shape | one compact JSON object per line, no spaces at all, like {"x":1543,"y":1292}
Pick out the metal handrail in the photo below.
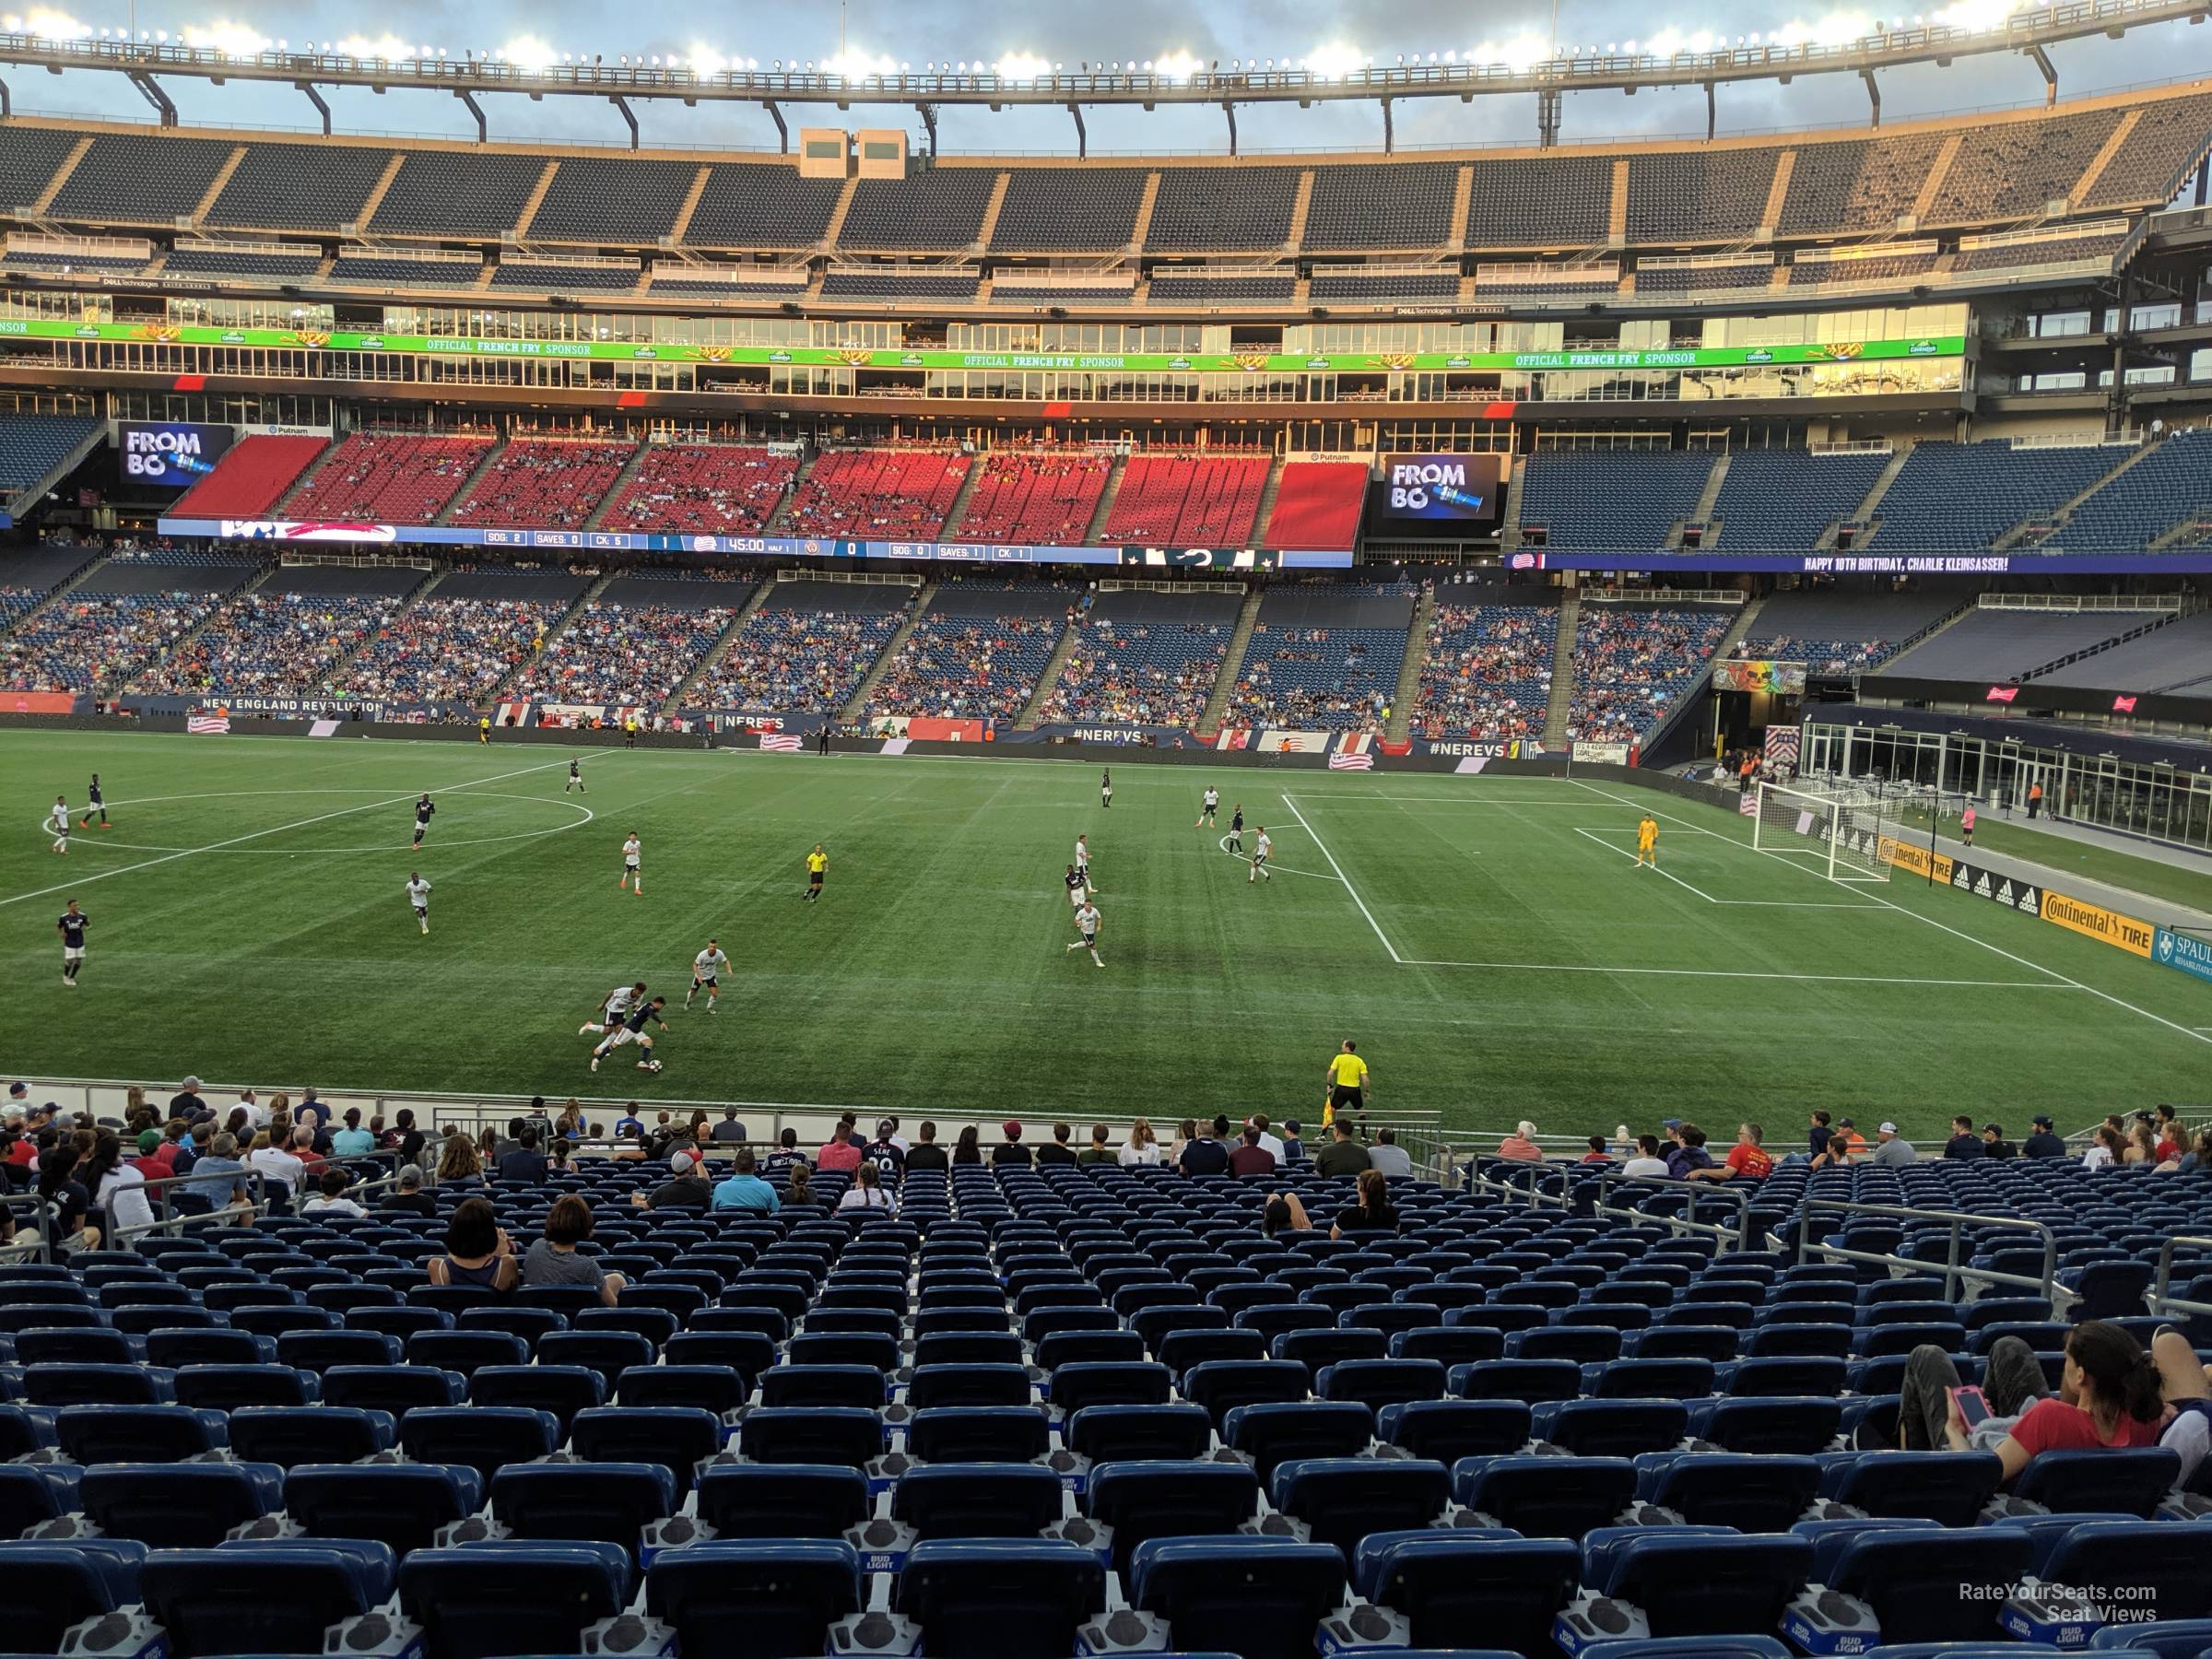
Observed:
{"x":2159,"y":1302}
{"x":167,"y":1219}
{"x":1953,"y":1274}
{"x":1533,"y":1190}
{"x":34,"y":1242}
{"x":1740,"y":1232}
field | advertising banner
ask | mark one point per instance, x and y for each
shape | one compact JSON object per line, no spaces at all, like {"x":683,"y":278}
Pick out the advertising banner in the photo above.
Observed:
{"x":2184,"y":952}
{"x":37,"y":703}
{"x":1751,"y":674}
{"x":169,"y":455}
{"x":1600,"y":754}
{"x":1128,"y":737}
{"x":2026,"y":562}
{"x":1479,"y":748}
{"x":1462,"y":489}
{"x":2126,"y":932}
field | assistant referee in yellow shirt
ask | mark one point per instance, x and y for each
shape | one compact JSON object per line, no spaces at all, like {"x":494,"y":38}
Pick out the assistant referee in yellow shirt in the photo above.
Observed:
{"x":1347,"y":1085}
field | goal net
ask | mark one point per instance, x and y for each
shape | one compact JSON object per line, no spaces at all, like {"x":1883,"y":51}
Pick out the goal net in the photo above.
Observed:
{"x":1838,"y":830}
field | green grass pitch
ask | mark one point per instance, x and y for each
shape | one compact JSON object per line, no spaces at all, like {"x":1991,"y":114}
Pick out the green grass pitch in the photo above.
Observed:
{"x":1486,"y":940}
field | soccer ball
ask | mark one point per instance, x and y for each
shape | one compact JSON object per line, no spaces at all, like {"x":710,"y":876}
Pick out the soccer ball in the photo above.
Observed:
{"x":651,"y":1065}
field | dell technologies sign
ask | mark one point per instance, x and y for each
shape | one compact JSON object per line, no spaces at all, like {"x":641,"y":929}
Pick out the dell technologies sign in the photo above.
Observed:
{"x":169,"y":455}
{"x":1460,"y":489}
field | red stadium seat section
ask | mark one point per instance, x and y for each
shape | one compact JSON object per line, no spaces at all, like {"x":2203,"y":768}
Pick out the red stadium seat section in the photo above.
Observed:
{"x":252,"y":477}
{"x":1188,"y":501}
{"x":1317,"y":505}
{"x":390,"y":477}
{"x":1034,"y":500}
{"x":711,"y":489}
{"x":888,"y":493}
{"x":545,"y":483}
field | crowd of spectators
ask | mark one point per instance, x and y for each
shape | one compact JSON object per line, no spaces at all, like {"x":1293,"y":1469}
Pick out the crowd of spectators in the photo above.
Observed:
{"x":1822,"y":656}
{"x":1488,"y":671}
{"x":796,"y":659}
{"x":967,"y":668}
{"x":1306,"y":678}
{"x":85,"y":640}
{"x":271,"y":643}
{"x":624,"y":655}
{"x":1142,"y":673}
{"x":548,"y":483}
{"x":725,"y":490}
{"x":1630,"y":664}
{"x":450,"y":650}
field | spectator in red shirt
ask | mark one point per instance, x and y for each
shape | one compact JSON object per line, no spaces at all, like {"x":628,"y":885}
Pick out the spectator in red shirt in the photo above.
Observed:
{"x":1597,"y":1153}
{"x":1249,"y":1157}
{"x":2108,"y":1399}
{"x":1520,"y":1144}
{"x":841,"y":1155}
{"x":1747,"y":1158}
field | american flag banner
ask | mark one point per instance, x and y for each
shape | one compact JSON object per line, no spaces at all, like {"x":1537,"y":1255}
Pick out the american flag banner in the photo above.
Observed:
{"x":1782,"y":744}
{"x":1356,"y":761}
{"x":1748,"y":804}
{"x":206,"y":724}
{"x":786,"y":743}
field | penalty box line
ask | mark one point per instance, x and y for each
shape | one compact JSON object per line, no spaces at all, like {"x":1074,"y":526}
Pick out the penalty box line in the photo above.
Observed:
{"x":1599,"y":835}
{"x":147,"y":864}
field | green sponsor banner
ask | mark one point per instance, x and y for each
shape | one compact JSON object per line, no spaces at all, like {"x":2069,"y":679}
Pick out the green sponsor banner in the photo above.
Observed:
{"x":825,"y":356}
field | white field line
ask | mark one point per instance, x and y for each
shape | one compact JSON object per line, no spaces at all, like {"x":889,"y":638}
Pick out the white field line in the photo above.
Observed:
{"x":1598,"y":836}
{"x":1345,"y":879}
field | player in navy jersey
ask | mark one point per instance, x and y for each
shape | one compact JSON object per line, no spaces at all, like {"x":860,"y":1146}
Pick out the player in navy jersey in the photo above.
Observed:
{"x":96,"y":807}
{"x":423,"y":809}
{"x":632,"y":1030}
{"x":72,"y":927}
{"x":1236,"y":828}
{"x":575,"y":780}
{"x":1077,"y":883}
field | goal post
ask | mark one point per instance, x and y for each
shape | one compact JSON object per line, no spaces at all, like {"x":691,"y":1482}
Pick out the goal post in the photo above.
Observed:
{"x":1840,"y":829}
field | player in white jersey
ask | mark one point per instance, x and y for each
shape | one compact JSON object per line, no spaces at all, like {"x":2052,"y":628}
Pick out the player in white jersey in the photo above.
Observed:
{"x":58,"y":821}
{"x":1260,"y":849}
{"x":1083,"y":863}
{"x":631,"y":876}
{"x":612,"y":1008}
{"x":1210,"y":805}
{"x":706,"y":974}
{"x":418,"y":895}
{"x":1086,"y":924}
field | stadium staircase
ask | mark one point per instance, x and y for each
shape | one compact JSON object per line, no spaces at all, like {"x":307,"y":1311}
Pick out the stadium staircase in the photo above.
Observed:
{"x":468,"y":486}
{"x":1300,"y":205}
{"x":1409,"y":671}
{"x":1142,"y":226}
{"x":2065,"y":510}
{"x":23,"y":501}
{"x":377,"y":191}
{"x":1562,"y":669}
{"x":93,"y":559}
{"x":1702,"y":512}
{"x":1027,"y":720}
{"x":340,"y":669}
{"x":722,"y":646}
{"x":614,"y":491}
{"x":258,"y":580}
{"x":2191,"y":605}
{"x":39,"y":208}
{"x":498,"y":694}
{"x":282,"y":506}
{"x":1111,"y":493}
{"x":798,"y":482}
{"x":1232,"y":664}
{"x":958,"y":509}
{"x":205,"y":205}
{"x":989,"y":227}
{"x":538,"y":196}
{"x":1873,"y":502}
{"x":682,"y":227}
{"x":836,"y":226}
{"x":889,"y":655}
{"x":1264,"y":515}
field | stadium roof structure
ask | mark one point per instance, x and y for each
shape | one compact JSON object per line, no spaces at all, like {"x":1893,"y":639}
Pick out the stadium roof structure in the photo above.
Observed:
{"x":2028,"y":31}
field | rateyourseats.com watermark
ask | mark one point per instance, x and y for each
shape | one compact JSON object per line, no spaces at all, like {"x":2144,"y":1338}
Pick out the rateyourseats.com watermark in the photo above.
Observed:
{"x":2107,"y":1604}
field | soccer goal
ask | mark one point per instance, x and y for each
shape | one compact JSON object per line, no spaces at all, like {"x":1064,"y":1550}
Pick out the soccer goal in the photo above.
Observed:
{"x":1839,"y":829}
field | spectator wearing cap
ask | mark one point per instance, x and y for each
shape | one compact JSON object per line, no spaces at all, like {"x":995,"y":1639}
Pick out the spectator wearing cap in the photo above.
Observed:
{"x":730,"y":1131}
{"x":841,"y":1154}
{"x":1058,"y":1151}
{"x":741,"y":1188}
{"x":185,"y":1103}
{"x":1520,"y":1144}
{"x":1205,"y":1155}
{"x":408,"y":1197}
{"x":1994,"y":1145}
{"x":1892,"y":1151}
{"x":1013,"y":1151}
{"x":1249,"y":1157}
{"x":686,"y":1189}
{"x":1964,"y":1141}
{"x":1387,"y":1156}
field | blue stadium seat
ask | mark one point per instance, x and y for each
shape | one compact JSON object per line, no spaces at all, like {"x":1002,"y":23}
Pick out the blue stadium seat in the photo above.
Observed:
{"x":1258,"y":1597}
{"x":105,"y":1434}
{"x":1749,"y":1492}
{"x":1117,"y":1383}
{"x":1223,"y":1387}
{"x":561,"y":1390}
{"x":1275,"y":1433}
{"x":715,"y":1389}
{"x":290,"y":1435}
{"x":1535,"y":1382}
{"x":1907,"y":1580}
{"x":970,"y":1434}
{"x":32,"y":1494}
{"x":2119,"y":1561}
{"x":812,"y":1435}
{"x":1163,"y":1499}
{"x":1451,"y":1430}
{"x":599,"y":1502}
{"x":1450,"y":1584}
{"x":465,"y":1352}
{"x":1800,"y":1425}
{"x":231,"y":1387}
{"x":1343,"y":1499}
{"x":262,"y":1598}
{"x":1697,"y":1647}
{"x":75,"y":1344}
{"x":977,"y":1500}
{"x":94,"y":1384}
{"x":1378,"y":1383}
{"x":781,"y":1500}
{"x":676,"y":1438}
{"x":1138,"y":1433}
{"x":1612,"y":1428}
{"x":755,"y":1600}
{"x":1687,"y":1583}
{"x":178,"y":1349}
{"x":1649,"y":1379}
{"x":482,"y":1438}
{"x":1948,"y":1487}
{"x":491,"y":1599}
{"x":2168,"y":1638}
{"x":53,"y":1586}
{"x":807,"y":1387}
{"x":178,"y":1506}
{"x":1021,"y":1599}
{"x":1545,"y":1497}
{"x":2127,"y":1482}
{"x":399,"y":1505}
{"x":396,"y":1389}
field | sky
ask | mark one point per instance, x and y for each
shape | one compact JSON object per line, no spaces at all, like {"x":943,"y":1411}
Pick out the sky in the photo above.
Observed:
{"x":1127,"y":29}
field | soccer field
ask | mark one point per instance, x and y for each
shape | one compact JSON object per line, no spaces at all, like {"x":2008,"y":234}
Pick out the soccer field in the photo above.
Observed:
{"x":1487,"y":941}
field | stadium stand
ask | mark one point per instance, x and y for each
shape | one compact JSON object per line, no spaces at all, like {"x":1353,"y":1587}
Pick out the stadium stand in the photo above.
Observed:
{"x":1045,"y":295}
{"x":612,"y":199}
{"x":1407,"y":205}
{"x":1540,"y":202}
{"x":1227,"y":209}
{"x":1207,"y":500}
{"x":299,"y":186}
{"x":1323,"y":659}
{"x":1786,"y":501}
{"x":1223,"y":288}
{"x":724,"y":289}
{"x":2002,"y":644}
{"x":33,"y":445}
{"x":805,"y":650}
{"x":548,"y":276}
{"x":365,"y":269}
{"x":976,"y":653}
{"x":1632,"y":661}
{"x":1841,"y":265}
{"x":458,"y":193}
{"x":890,"y":282}
{"x":2166,"y":142}
{"x":252,"y":476}
{"x":122,"y":618}
{"x":2166,"y":659}
{"x":1068,"y":210}
{"x":728,"y":489}
{"x":286,"y":637}
{"x":28,"y":578}
{"x":889,"y":492}
{"x":2095,"y":245}
{"x":1839,"y":633}
{"x":1317,"y":504}
{"x":140,"y":179}
{"x":2014,"y":171}
{"x":1856,"y":184}
{"x":29,"y":156}
{"x":279,"y":263}
{"x":1400,"y":284}
{"x":1625,"y":500}
{"x":940,"y":208}
{"x":389,"y":477}
{"x":1487,"y":672}
{"x":1959,"y":498}
{"x":1720,"y":275}
{"x":762,"y":205}
{"x":1044,"y":498}
{"x":62,"y":260}
{"x":2168,"y":489}
{"x":545,"y":483}
{"x":1145,"y":659}
{"x":634,"y":644}
{"x":1717,"y":195}
{"x":460,"y":640}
